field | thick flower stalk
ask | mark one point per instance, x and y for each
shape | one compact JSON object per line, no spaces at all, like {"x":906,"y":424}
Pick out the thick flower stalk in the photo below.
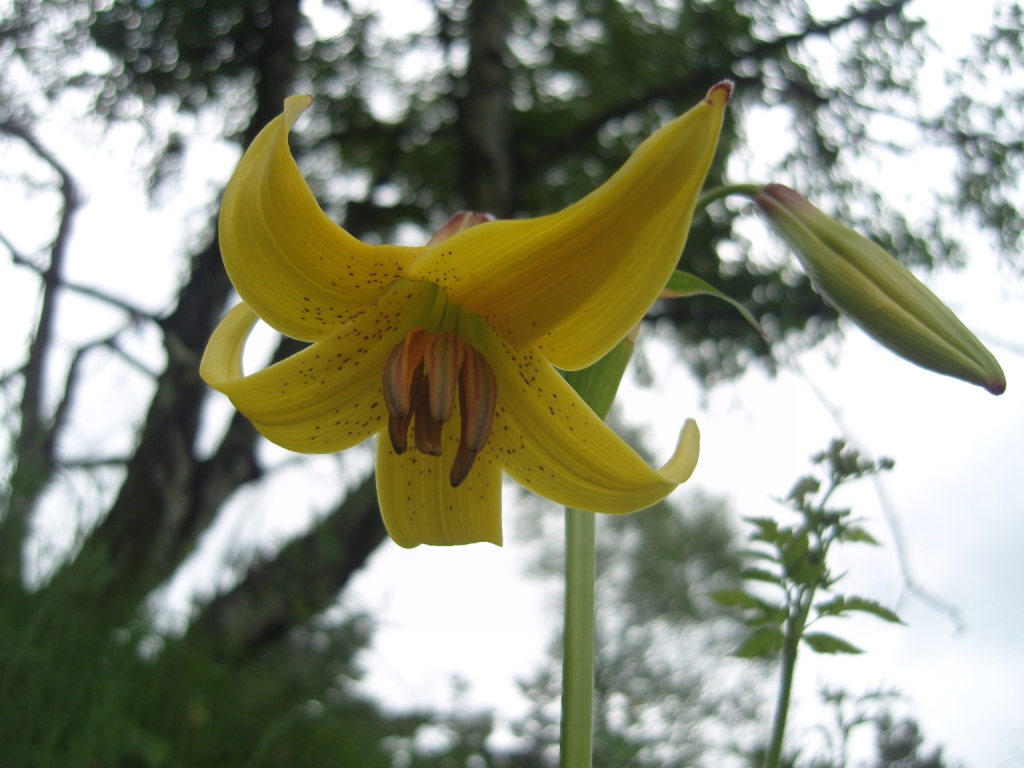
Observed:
{"x":449,"y":351}
{"x":878,"y":293}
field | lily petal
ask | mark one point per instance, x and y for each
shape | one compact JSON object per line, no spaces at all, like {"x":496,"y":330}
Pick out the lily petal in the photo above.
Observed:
{"x":329,"y":396}
{"x":552,"y":443}
{"x":418,"y":502}
{"x":577,"y":281}
{"x":298,"y":270}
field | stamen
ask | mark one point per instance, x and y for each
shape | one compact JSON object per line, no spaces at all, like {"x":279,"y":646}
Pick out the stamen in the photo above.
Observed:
{"x":478,"y":400}
{"x":398,"y":427}
{"x":426,"y":429}
{"x":400,"y":371}
{"x":442,"y":360}
{"x":421,"y":378}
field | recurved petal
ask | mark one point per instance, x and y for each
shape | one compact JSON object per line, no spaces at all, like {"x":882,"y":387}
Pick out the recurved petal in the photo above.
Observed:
{"x":329,"y":396}
{"x":222,"y":360}
{"x":298,"y":270}
{"x":420,"y":506}
{"x":551,"y":442}
{"x":577,"y":281}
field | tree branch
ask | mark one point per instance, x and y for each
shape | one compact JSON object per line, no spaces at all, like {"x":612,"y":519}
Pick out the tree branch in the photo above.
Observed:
{"x":301,"y":582}
{"x":19,"y":259}
{"x":90,"y":464}
{"x":483,"y":120}
{"x":137,"y":546}
{"x":233,"y":464}
{"x":33,"y":468}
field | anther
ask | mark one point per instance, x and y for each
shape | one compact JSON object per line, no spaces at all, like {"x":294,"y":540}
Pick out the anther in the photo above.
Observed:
{"x":400,"y":372}
{"x":478,"y":399}
{"x":442,"y":360}
{"x":403,"y":375}
{"x":426,"y":429}
{"x":398,"y":428}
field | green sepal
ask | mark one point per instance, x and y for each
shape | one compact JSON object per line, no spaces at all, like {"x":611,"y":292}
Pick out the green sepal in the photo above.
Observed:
{"x":764,"y":641}
{"x":823,"y":643}
{"x":683,"y":284}
{"x":597,"y":384}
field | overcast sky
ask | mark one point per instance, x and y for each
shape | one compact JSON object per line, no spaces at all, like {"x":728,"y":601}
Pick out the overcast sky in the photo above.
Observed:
{"x":956,"y":489}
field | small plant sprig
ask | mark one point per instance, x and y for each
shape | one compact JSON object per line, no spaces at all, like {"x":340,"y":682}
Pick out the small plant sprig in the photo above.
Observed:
{"x":794,"y":560}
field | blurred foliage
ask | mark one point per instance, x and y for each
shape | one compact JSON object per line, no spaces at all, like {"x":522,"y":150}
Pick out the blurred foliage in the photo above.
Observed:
{"x":792,"y":560}
{"x":665,"y":690}
{"x":898,"y":740}
{"x":85,"y":696}
{"x":790,"y":563}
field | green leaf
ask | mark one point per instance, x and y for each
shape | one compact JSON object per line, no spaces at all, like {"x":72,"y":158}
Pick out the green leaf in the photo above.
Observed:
{"x":759,"y":574}
{"x":856,"y":533}
{"x":804,"y":486}
{"x":823,"y":643}
{"x":757,"y":555}
{"x":597,"y":384}
{"x":737,"y":598}
{"x":767,"y":529}
{"x":842,"y":605}
{"x":765,"y":641}
{"x":770,"y":616}
{"x":683,"y":284}
{"x":795,"y":548}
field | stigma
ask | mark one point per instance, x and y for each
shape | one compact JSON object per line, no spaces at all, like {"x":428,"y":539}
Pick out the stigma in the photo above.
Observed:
{"x":422,"y":377}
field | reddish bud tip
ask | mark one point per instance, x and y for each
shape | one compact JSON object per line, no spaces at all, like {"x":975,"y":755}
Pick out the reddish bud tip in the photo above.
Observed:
{"x":722,"y":90}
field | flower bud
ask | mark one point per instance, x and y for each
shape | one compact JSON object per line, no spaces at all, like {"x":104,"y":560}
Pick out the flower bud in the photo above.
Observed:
{"x":878,"y":293}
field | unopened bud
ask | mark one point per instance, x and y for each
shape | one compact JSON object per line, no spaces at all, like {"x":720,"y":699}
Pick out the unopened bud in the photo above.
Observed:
{"x":878,"y":293}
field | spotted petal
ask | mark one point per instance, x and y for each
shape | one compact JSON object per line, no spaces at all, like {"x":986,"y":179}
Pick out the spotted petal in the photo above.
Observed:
{"x":551,"y":442}
{"x":577,"y":281}
{"x":298,"y":270}
{"x":329,"y":396}
{"x":418,"y":502}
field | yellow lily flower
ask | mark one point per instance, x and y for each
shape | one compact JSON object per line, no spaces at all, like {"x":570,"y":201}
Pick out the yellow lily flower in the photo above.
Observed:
{"x":459,"y":338}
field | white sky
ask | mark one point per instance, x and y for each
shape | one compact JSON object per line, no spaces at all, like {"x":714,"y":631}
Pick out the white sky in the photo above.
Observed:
{"x":471,"y":611}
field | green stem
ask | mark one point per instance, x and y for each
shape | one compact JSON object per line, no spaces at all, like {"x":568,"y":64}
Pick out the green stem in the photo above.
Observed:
{"x":577,"y":732}
{"x":794,"y":631}
{"x":774,"y":753}
{"x":597,"y":386}
{"x":747,"y":190}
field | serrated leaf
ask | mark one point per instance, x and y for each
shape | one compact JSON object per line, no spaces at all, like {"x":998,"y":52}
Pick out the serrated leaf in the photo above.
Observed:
{"x":683,"y":284}
{"x":757,"y":554}
{"x":767,"y":529}
{"x":765,"y":641}
{"x":759,"y":574}
{"x":841,"y":605}
{"x":832,"y":607}
{"x":823,"y":643}
{"x":856,"y":533}
{"x":804,"y":486}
